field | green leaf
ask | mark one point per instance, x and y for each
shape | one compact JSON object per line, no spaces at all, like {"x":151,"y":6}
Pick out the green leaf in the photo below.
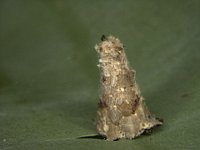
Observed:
{"x":49,"y":81}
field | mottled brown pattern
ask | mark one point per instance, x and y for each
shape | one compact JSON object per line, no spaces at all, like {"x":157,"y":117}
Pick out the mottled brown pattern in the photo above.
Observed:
{"x":122,"y":112}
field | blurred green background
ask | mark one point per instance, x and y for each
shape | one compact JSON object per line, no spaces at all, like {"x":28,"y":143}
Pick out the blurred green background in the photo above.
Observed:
{"x":49,"y":81}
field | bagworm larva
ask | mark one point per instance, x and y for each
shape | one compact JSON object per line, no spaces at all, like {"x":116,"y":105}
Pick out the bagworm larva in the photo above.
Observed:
{"x":122,"y":112}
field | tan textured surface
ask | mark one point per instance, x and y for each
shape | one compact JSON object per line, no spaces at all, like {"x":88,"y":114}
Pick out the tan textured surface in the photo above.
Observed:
{"x":122,"y":112}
